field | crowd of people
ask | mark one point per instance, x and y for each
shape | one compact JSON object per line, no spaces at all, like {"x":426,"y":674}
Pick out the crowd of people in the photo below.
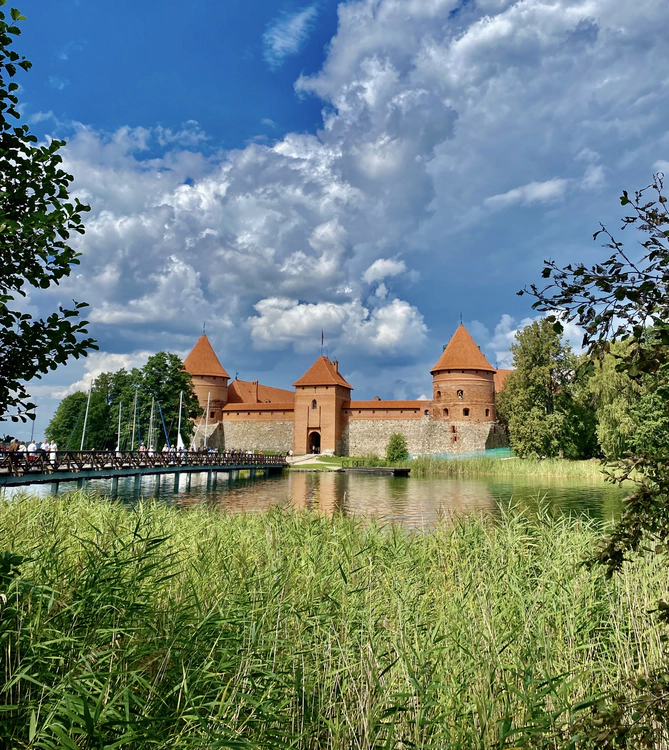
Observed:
{"x":31,"y":450}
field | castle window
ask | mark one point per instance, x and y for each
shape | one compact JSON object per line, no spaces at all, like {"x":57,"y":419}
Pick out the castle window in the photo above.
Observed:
{"x":460,"y":394}
{"x":314,"y":405}
{"x":445,"y":412}
{"x":427,"y":412}
{"x":453,"y":428}
{"x":438,"y":394}
{"x":487,"y":412}
{"x":212,"y":414}
{"x":465,"y":412}
{"x":454,"y":439}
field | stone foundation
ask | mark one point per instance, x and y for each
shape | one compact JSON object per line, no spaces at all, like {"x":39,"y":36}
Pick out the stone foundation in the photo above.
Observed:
{"x":258,"y":436}
{"x":425,"y":436}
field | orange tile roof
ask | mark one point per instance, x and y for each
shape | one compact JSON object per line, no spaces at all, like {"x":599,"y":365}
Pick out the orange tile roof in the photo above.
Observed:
{"x":203,"y":361}
{"x":462,"y":353}
{"x":278,"y":406}
{"x":386,"y":404}
{"x":243,"y":391}
{"x":322,"y":372}
{"x":500,"y":378}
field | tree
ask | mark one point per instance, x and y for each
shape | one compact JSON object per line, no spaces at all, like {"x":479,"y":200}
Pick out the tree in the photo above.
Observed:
{"x":622,"y":305}
{"x":160,"y":381}
{"x":37,"y":218}
{"x":396,"y":450}
{"x":542,"y":399}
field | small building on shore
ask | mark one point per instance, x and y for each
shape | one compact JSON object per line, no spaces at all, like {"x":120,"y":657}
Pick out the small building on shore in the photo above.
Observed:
{"x":320,"y":415}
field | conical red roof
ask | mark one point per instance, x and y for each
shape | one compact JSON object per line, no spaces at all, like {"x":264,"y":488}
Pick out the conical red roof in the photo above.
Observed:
{"x":203,"y":360}
{"x":462,"y":353}
{"x":322,"y":372}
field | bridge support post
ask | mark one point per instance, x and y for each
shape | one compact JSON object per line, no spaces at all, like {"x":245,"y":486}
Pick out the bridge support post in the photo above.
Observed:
{"x":137,"y":484}
{"x":215,"y":482}
{"x":209,"y":473}
{"x":80,"y":483}
{"x":114,"y":487}
{"x":54,"y":488}
{"x":188,"y":476}
{"x":252,"y":473}
{"x":176,"y":481}
{"x":230,"y":476}
{"x":156,"y":488}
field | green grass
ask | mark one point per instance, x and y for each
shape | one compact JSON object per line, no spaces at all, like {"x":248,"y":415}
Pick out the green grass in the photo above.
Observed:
{"x":155,"y":627}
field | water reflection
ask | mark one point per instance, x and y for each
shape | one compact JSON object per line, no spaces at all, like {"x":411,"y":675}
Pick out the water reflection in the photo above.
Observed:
{"x":415,"y":501}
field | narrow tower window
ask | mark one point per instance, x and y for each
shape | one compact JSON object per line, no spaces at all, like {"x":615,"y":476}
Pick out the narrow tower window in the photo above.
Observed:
{"x":314,"y":405}
{"x":487,"y":412}
{"x":460,"y":394}
{"x":465,"y":412}
{"x":445,"y":412}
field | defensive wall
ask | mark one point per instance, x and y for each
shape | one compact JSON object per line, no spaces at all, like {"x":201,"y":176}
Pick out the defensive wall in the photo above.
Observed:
{"x":320,"y":416}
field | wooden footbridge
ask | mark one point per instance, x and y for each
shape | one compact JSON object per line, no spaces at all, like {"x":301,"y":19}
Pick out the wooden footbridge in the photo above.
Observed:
{"x":79,"y":466}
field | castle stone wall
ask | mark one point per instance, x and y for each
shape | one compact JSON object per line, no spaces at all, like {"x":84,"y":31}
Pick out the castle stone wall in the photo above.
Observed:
{"x":424,"y":436}
{"x":258,"y":436}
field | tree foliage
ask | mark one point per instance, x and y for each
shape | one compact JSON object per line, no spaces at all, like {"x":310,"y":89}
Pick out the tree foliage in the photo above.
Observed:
{"x":37,"y":218}
{"x":622,"y":305}
{"x":159,"y":382}
{"x":543,"y":402}
{"x":396,"y":450}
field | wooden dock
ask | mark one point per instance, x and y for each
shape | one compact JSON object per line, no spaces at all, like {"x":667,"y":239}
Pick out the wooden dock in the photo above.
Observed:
{"x":392,"y":471}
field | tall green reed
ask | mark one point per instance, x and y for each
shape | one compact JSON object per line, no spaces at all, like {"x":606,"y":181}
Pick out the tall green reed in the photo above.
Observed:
{"x":150,"y":626}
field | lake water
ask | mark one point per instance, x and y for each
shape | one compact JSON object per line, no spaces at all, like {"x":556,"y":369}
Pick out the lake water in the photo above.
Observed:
{"x":414,"y":501}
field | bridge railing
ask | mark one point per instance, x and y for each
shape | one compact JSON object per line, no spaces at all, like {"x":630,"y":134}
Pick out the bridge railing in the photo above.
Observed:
{"x":40,"y":462}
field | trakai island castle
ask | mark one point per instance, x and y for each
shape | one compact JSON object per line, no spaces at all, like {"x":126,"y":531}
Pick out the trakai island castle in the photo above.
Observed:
{"x":319,"y":416}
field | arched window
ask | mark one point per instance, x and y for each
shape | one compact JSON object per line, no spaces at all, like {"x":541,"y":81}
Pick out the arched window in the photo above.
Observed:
{"x":427,"y":412}
{"x":314,"y":405}
{"x":438,"y":394}
{"x":460,"y":394}
{"x":465,"y":412}
{"x":445,"y":412}
{"x":487,"y":412}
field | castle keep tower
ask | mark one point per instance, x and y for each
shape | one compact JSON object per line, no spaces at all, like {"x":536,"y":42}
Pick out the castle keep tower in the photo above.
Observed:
{"x":210,"y":380}
{"x":319,"y":416}
{"x":463,"y":384}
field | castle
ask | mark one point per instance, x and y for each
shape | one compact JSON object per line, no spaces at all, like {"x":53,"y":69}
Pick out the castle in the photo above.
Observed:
{"x":319,"y":416}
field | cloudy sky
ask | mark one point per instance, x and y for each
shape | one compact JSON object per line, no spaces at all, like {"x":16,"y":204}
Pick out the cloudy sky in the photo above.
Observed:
{"x":369,"y":168}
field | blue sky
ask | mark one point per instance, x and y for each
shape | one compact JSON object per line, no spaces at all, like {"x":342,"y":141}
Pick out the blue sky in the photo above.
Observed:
{"x":370,"y":168}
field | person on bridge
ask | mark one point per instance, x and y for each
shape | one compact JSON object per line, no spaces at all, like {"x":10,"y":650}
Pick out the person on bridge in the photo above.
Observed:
{"x":53,"y":451}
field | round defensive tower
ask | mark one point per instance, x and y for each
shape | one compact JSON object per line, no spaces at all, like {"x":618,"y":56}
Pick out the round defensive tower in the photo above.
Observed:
{"x":463,"y":384}
{"x":210,"y":380}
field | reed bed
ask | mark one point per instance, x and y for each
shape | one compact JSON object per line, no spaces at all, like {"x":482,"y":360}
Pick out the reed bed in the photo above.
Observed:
{"x":508,"y":467}
{"x":150,"y":626}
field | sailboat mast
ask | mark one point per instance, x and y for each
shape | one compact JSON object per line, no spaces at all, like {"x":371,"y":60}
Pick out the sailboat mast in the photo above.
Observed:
{"x":83,"y":432}
{"x":151,"y":424}
{"x":206,"y":422}
{"x":181,"y":402}
{"x":134,"y":421}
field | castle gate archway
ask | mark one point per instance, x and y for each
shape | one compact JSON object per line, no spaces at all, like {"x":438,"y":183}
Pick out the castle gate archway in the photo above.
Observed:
{"x":314,"y":442}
